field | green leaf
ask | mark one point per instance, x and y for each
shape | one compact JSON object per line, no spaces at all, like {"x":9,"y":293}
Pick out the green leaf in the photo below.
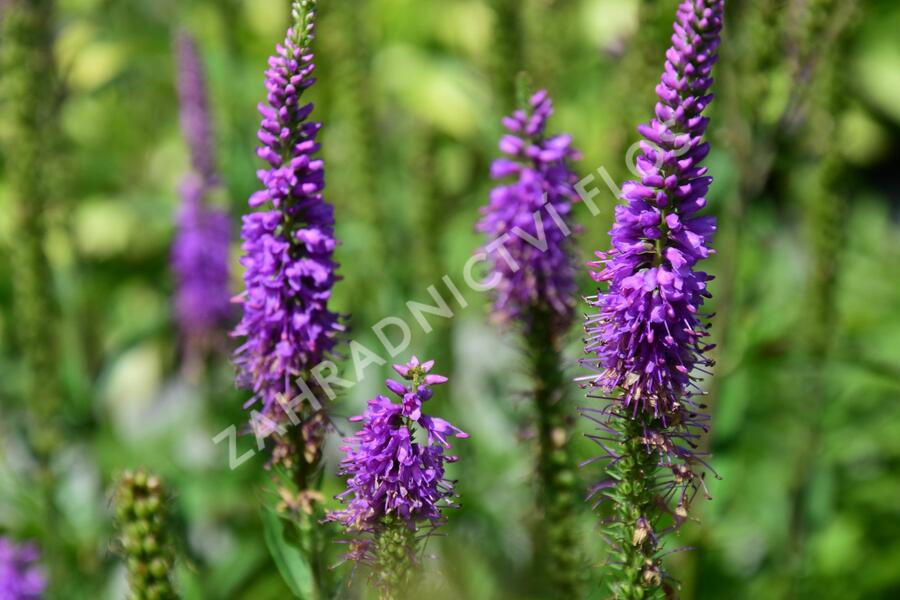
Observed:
{"x":292,"y":564}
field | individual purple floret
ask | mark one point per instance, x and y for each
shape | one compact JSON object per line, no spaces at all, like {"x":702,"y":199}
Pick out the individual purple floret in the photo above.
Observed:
{"x":20,"y":576}
{"x":200,"y":251}
{"x":648,"y":334}
{"x":527,"y":220}
{"x":392,"y":474}
{"x":288,"y":241}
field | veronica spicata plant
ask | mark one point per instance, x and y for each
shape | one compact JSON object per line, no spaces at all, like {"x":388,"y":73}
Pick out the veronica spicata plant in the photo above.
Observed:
{"x":528,"y":228}
{"x":287,"y":326}
{"x":201,"y":247}
{"x":396,"y":489}
{"x":647,"y":336}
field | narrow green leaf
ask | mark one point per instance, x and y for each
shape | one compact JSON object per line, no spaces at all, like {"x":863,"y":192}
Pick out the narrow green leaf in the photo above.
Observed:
{"x":292,"y":564}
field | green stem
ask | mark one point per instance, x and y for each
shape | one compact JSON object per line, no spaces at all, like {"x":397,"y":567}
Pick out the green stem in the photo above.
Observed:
{"x":557,"y":493}
{"x":352,"y":139}
{"x":825,"y":220}
{"x":635,"y":500}
{"x":29,"y":90}
{"x":508,"y":59}
{"x":29,"y":87}
{"x":306,"y":450}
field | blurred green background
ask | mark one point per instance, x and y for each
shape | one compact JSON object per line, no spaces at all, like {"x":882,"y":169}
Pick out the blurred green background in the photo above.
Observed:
{"x":805,"y":134}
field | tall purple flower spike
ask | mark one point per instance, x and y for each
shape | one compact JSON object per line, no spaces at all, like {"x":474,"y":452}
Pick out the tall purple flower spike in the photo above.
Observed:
{"x":20,"y":576}
{"x":391,"y":474}
{"x":648,"y":335}
{"x":530,"y":216}
{"x":200,"y":251}
{"x":647,"y":338}
{"x":288,"y":241}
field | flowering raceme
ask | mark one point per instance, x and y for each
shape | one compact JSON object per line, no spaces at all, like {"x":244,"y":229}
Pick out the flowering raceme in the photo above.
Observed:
{"x":201,"y":247}
{"x":20,"y":576}
{"x":530,"y":258}
{"x":528,"y":227}
{"x":390,"y":473}
{"x":396,"y":482}
{"x":288,"y":241}
{"x":648,"y":335}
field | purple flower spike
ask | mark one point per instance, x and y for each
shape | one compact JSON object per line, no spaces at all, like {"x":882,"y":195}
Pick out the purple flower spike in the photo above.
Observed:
{"x":20,"y":576}
{"x":527,"y":220}
{"x":200,"y":251}
{"x":392,"y":474}
{"x":288,"y":241}
{"x":648,"y":336}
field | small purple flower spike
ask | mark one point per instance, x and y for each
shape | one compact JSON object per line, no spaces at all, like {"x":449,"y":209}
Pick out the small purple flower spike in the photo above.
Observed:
{"x":527,"y":220}
{"x":194,"y":109}
{"x":390,"y":474}
{"x":396,"y":484}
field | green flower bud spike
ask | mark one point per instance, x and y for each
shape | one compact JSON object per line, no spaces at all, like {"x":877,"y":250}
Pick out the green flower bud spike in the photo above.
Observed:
{"x":143,"y":541}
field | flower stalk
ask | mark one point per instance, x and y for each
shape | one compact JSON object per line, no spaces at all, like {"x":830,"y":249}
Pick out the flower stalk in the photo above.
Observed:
{"x":31,"y":101}
{"x":288,"y":243}
{"x":508,"y":59}
{"x":535,"y":293}
{"x":647,"y":339}
{"x":558,"y":484}
{"x":200,"y":251}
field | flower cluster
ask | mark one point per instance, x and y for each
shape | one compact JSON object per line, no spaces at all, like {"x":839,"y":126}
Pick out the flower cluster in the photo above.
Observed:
{"x":391,"y":474}
{"x":529,"y":251}
{"x":648,"y":336}
{"x":201,"y":247}
{"x":289,"y":241}
{"x":20,"y":576}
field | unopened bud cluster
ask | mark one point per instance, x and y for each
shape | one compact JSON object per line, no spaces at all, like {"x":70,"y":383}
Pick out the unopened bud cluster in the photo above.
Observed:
{"x":141,"y":519}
